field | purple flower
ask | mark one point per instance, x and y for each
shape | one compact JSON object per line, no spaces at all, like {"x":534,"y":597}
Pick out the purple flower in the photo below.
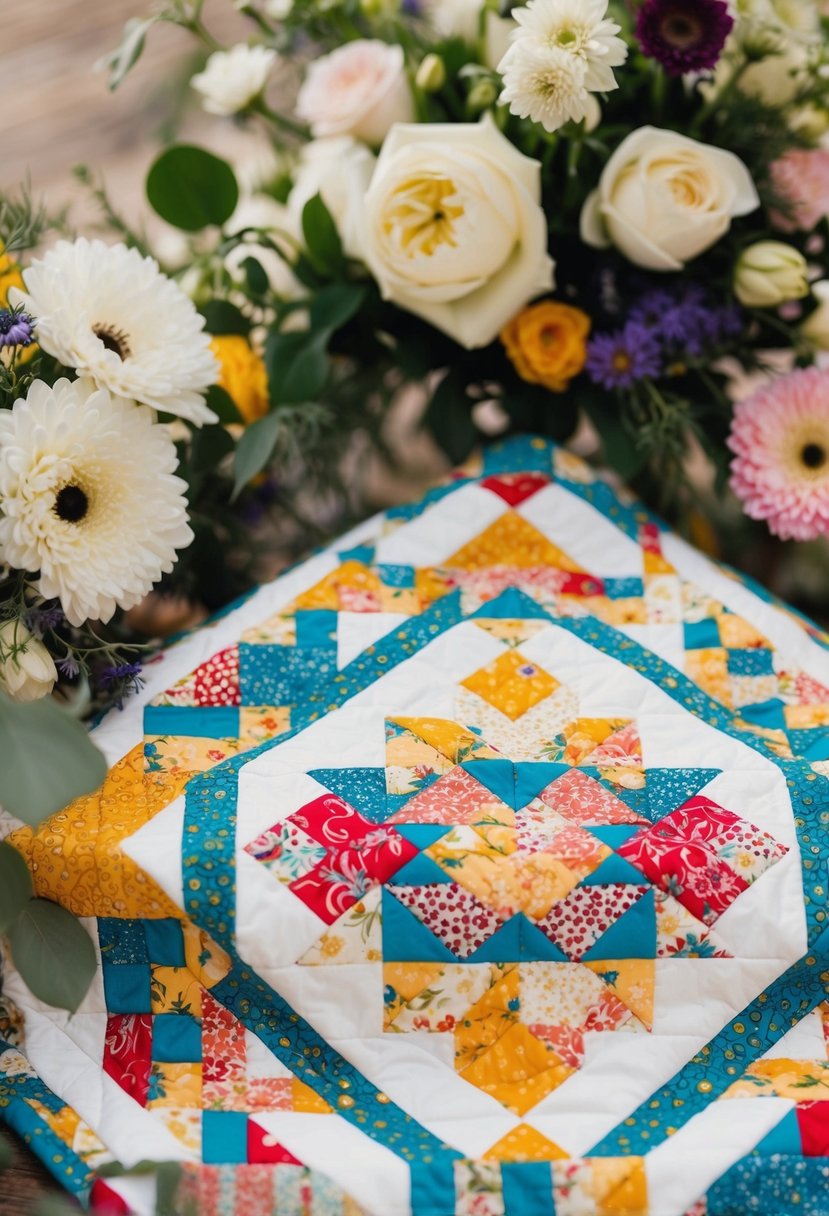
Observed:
{"x":69,"y":667}
{"x":127,"y":674}
{"x":684,"y":35}
{"x":43,"y":620}
{"x":16,"y":328}
{"x":618,"y":360}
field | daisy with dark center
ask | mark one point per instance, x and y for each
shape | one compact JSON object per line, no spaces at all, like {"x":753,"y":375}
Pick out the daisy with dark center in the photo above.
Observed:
{"x":89,"y":500}
{"x":684,"y":35}
{"x":618,"y":360}
{"x":111,"y":314}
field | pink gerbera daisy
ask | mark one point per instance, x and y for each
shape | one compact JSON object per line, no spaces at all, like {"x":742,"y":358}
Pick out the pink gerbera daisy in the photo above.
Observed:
{"x":801,"y":178}
{"x":780,"y":437}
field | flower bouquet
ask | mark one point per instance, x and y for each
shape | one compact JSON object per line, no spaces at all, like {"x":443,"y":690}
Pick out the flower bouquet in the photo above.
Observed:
{"x":590,"y":220}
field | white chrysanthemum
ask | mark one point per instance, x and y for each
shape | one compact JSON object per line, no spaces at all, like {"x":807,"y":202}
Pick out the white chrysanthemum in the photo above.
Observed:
{"x":561,"y":52}
{"x":111,"y":314}
{"x":545,"y":85}
{"x":88,"y":497}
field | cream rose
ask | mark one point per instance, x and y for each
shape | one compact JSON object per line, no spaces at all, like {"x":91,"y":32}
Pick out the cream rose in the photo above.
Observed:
{"x":232,"y":79}
{"x":27,"y":670}
{"x":361,"y":89}
{"x":664,"y":198}
{"x":452,"y":228}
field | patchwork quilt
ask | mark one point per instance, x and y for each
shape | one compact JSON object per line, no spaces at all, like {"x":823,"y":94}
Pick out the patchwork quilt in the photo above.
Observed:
{"x":477,"y":866}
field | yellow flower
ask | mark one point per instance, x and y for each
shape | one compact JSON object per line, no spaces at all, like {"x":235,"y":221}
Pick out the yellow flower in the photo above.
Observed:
{"x":242,"y":375}
{"x":10,"y":276}
{"x":547,"y":343}
{"x":331,"y":945}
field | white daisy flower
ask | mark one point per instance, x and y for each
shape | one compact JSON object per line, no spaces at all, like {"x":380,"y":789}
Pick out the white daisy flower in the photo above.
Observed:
{"x":561,"y":50}
{"x":111,"y":314}
{"x":88,"y":497}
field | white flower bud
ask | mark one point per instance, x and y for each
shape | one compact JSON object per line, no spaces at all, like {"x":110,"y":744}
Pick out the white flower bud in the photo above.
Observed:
{"x":27,"y":670}
{"x":431,"y":75}
{"x":770,"y":273}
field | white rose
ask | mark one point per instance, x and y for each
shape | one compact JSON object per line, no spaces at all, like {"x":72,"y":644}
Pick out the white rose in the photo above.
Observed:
{"x":816,"y":328}
{"x":232,"y":79}
{"x":664,"y":198}
{"x":452,"y":228}
{"x":27,"y":670}
{"x":327,"y":167}
{"x":769,"y":273}
{"x":361,"y":89}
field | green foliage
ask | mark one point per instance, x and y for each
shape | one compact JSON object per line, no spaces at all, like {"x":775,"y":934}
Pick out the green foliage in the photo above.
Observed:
{"x":15,"y":885}
{"x":285,"y":434}
{"x":223,"y":405}
{"x":191,"y":188}
{"x":30,"y":789}
{"x":322,"y":240}
{"x":448,"y":417}
{"x":53,"y":953}
{"x":167,"y":1175}
{"x":222,"y":317}
{"x":123,"y":59}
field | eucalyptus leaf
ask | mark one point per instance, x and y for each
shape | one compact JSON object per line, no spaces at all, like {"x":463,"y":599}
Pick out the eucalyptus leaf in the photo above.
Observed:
{"x":254,"y":450}
{"x":449,"y":417}
{"x":15,"y":885}
{"x":321,"y":237}
{"x":223,"y":405}
{"x":48,"y":759}
{"x":53,"y":953}
{"x":222,"y":317}
{"x":297,"y":366}
{"x":130,"y":49}
{"x":191,"y":188}
{"x":333,"y":306}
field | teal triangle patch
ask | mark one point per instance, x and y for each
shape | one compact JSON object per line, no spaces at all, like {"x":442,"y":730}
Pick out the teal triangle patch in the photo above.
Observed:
{"x":665,"y":789}
{"x":503,"y":947}
{"x":406,"y":939}
{"x":362,"y":788}
{"x":536,"y":947}
{"x":421,"y":871}
{"x":783,"y":1138}
{"x":531,"y":777}
{"x":633,"y":935}
{"x":512,"y":605}
{"x":613,"y":869}
{"x":615,"y":834}
{"x":421,"y":835}
{"x":496,"y":775}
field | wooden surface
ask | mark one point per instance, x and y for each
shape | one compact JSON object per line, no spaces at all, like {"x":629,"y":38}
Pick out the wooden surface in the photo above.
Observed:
{"x":25,"y":1182}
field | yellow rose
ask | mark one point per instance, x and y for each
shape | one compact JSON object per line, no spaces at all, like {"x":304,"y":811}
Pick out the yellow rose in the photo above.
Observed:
{"x":242,"y":375}
{"x":547,"y":343}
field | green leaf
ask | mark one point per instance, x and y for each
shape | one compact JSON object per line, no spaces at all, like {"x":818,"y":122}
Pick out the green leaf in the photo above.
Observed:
{"x":48,"y":759}
{"x":223,"y":405}
{"x":53,"y":953}
{"x":449,"y":417}
{"x":321,"y":237}
{"x":297,"y":366}
{"x":333,"y":306}
{"x":221,"y":317}
{"x":167,"y":1175}
{"x":54,"y":1205}
{"x":619,"y":445}
{"x":210,"y":446}
{"x":191,"y":188}
{"x":130,"y":49}
{"x":15,"y":885}
{"x":257,"y":279}
{"x":254,"y":450}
